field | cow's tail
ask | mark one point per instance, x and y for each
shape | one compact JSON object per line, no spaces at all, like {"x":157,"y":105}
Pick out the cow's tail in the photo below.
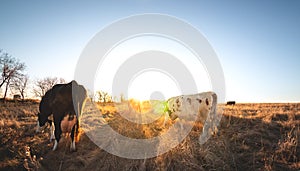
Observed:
{"x":80,"y":107}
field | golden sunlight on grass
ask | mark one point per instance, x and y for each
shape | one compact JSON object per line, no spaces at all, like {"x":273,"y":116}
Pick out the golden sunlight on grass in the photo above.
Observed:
{"x":251,"y":137}
{"x":126,"y":119}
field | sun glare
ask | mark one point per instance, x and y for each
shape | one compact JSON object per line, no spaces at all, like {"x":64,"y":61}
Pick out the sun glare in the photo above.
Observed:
{"x":154,"y":82}
{"x":153,"y":85}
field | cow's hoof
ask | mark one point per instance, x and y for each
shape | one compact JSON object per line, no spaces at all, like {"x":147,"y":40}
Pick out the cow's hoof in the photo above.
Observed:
{"x":72,"y":149}
{"x":72,"y":146}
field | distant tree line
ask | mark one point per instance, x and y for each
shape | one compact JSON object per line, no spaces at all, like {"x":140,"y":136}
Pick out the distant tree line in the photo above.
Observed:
{"x":12,"y":74}
{"x":13,"y":78}
{"x":41,"y":86}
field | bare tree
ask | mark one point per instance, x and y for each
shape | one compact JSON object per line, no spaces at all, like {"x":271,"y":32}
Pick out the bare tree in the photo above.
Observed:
{"x":10,"y":68}
{"x":103,"y":97}
{"x":19,"y":84}
{"x":45,"y":84}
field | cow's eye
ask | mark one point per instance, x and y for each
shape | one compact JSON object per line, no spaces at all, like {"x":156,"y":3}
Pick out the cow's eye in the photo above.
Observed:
{"x":199,"y":100}
{"x":206,"y":101}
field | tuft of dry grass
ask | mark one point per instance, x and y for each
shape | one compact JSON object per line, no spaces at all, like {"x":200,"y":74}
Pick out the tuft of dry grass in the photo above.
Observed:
{"x":31,"y":162}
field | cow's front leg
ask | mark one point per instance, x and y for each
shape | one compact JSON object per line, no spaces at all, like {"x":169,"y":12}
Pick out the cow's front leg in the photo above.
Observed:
{"x":57,"y":133}
{"x":52,"y":137}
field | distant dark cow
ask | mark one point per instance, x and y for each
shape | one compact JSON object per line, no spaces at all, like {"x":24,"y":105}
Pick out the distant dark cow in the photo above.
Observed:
{"x":63,"y":101}
{"x":230,"y":103}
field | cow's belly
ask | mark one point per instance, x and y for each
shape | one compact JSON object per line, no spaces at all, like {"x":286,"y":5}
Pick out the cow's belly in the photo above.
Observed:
{"x":67,"y":124}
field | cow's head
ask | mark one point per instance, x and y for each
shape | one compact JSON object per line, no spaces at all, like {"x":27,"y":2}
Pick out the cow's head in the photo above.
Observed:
{"x":41,"y":121}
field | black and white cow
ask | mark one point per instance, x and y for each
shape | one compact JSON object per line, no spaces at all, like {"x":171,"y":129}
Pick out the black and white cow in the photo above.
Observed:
{"x":63,"y":101}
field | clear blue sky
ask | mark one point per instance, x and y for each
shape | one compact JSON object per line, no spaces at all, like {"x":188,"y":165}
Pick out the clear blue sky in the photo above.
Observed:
{"x":257,"y":42}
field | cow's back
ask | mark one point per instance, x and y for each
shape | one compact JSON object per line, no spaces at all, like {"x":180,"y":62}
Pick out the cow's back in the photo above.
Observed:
{"x":47,"y":102}
{"x":63,"y":98}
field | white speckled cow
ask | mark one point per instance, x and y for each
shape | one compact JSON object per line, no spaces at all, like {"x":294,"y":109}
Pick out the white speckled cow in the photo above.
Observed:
{"x":201,"y":107}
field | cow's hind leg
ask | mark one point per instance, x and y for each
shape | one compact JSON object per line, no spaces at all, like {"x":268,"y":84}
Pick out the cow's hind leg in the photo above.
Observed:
{"x":77,"y":130}
{"x":57,"y":133}
{"x":72,"y":146}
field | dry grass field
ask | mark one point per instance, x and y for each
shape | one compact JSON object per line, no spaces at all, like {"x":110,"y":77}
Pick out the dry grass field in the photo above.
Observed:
{"x":251,"y":137}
